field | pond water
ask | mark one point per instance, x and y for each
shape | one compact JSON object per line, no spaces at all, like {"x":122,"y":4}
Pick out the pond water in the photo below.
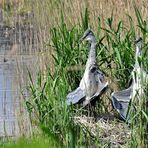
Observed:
{"x":15,"y":59}
{"x":18,"y":47}
{"x":14,"y":119}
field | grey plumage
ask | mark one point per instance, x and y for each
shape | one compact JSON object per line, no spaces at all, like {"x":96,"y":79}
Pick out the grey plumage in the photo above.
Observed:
{"x":75,"y":96}
{"x":121,"y":99}
{"x":92,"y":82}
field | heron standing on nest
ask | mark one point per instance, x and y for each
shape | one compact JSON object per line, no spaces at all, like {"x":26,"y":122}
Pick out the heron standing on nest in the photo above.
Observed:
{"x":92,"y":84}
{"x":121,"y":99}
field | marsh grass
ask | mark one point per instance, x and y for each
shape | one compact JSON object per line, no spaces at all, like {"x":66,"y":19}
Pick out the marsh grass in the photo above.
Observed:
{"x":39,"y":141}
{"x":59,"y":26}
{"x":116,"y":59}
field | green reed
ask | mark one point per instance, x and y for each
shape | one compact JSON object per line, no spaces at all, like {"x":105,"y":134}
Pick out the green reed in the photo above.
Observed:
{"x":116,"y":59}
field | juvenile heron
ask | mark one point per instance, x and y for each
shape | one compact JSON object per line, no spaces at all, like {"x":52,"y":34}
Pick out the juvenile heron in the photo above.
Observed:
{"x":92,"y":83}
{"x":121,"y":99}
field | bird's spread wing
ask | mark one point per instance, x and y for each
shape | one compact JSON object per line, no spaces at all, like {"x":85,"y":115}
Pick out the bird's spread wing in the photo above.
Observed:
{"x":124,"y":95}
{"x":121,"y":107}
{"x":75,"y":96}
{"x":102,"y":84}
{"x":120,"y":101}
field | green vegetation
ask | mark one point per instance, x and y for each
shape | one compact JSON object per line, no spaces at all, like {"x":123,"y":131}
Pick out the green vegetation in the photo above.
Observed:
{"x":116,"y":51}
{"x":34,"y":142}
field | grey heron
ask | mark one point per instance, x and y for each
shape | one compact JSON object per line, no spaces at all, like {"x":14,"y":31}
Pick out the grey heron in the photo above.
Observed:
{"x":121,"y":99}
{"x":92,"y":83}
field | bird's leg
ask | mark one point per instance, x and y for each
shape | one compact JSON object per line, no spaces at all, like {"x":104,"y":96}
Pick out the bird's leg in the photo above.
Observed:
{"x":91,"y":110}
{"x":88,"y":108}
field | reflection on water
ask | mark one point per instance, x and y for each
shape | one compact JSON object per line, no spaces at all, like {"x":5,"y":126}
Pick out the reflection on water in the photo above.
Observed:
{"x":14,"y":119}
{"x":18,"y":42}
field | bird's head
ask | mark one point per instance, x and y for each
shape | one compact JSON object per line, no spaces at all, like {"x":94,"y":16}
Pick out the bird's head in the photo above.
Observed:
{"x":88,"y":36}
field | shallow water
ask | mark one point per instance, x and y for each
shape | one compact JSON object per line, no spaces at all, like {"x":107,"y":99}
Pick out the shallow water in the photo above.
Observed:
{"x":17,"y":45}
{"x":14,"y":119}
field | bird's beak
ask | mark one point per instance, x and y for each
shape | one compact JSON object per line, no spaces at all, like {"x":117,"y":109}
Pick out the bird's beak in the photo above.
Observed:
{"x":82,"y":39}
{"x":138,"y":40}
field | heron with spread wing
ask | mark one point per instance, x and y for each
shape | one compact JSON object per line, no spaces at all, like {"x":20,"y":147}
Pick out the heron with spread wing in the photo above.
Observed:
{"x":92,"y":83}
{"x":121,"y":99}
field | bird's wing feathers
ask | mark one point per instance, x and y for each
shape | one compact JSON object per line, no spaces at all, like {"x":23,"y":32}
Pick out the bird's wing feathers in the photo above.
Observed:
{"x":120,"y":101}
{"x":124,"y":95}
{"x":102,"y":85}
{"x":75,"y":96}
{"x":121,"y":107}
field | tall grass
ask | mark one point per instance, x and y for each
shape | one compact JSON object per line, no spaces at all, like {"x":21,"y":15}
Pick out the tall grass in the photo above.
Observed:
{"x":115,"y":57}
{"x":116,"y":25}
{"x":37,"y":141}
{"x":62,"y":23}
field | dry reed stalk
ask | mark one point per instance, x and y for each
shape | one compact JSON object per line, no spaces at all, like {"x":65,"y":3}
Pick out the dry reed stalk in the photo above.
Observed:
{"x":48,"y":14}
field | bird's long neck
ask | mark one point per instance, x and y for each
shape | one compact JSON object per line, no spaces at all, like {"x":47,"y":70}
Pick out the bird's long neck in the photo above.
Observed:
{"x":137,"y":54}
{"x":92,"y":54}
{"x":138,"y":50}
{"x":138,"y":69}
